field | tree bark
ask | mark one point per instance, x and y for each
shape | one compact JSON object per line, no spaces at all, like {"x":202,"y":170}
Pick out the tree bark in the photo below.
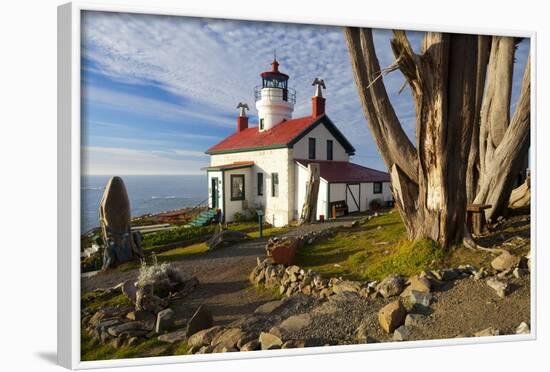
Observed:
{"x":520,"y":198}
{"x":309,"y":210}
{"x":428,"y":180}
{"x":503,"y":144}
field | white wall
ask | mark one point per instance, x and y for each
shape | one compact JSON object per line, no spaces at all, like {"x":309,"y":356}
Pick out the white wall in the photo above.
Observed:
{"x":278,"y":210}
{"x":338,"y":192}
{"x":234,"y":206}
{"x":321,"y":135}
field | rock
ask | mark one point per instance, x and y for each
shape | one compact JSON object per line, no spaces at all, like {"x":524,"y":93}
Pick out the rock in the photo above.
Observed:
{"x":392,"y":316}
{"x":129,"y":290}
{"x":114,"y":215}
{"x":268,"y":307}
{"x":116,"y":330}
{"x":415,"y":320}
{"x":295,"y":323}
{"x":390,"y":286}
{"x":417,"y":300}
{"x":228,"y":338}
{"x":251,"y":346}
{"x":500,"y":287}
{"x":205,"y":349}
{"x":117,"y":342}
{"x":293,"y":344}
{"x":520,"y":273}
{"x":133,"y":341}
{"x":401,"y":334}
{"x":202,"y":319}
{"x":173,"y":337}
{"x":203,"y":337}
{"x":448,"y":274}
{"x":505,"y":261}
{"x":480,"y":274}
{"x":269,"y":341}
{"x":523,"y":329}
{"x":487,"y":332}
{"x":346,"y":286}
{"x":246,"y":339}
{"x":165,"y":320}
{"x":141,"y":316}
{"x":420,"y":284}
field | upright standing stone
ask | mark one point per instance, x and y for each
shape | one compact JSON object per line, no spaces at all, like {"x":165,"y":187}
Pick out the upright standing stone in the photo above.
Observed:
{"x":121,"y":244}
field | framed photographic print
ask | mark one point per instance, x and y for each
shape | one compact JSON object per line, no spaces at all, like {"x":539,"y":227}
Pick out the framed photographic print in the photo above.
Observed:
{"x":248,"y":187}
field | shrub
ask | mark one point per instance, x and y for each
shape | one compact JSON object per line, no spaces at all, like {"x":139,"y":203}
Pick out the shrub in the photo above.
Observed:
{"x":157,"y":275}
{"x":176,"y":235}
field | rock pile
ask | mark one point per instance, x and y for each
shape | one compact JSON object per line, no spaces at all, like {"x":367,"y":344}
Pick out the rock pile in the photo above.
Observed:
{"x":149,"y":315}
{"x":283,"y":249}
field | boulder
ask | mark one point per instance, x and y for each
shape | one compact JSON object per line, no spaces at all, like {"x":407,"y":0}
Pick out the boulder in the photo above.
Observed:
{"x":295,"y":323}
{"x":392,"y":316}
{"x":417,"y":300}
{"x":520,"y":273}
{"x":346,"y":286}
{"x":505,"y":261}
{"x":523,"y":329}
{"x":268,"y":307}
{"x":165,"y":320}
{"x":420,"y":284}
{"x":202,"y":319}
{"x":251,"y":346}
{"x":129,"y":290}
{"x":293,"y":344}
{"x":141,"y":316}
{"x":392,"y":285}
{"x":269,"y":341}
{"x":401,"y":334}
{"x":500,"y":287}
{"x":116,"y":330}
{"x":173,"y":337}
{"x":203,"y":337}
{"x":228,"y":338}
{"x":491,"y":331}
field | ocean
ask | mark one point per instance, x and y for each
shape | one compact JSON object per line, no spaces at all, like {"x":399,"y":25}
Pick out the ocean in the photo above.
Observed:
{"x":147,"y":194}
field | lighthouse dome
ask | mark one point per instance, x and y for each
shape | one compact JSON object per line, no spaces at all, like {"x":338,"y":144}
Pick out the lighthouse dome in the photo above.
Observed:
{"x":274,"y":99}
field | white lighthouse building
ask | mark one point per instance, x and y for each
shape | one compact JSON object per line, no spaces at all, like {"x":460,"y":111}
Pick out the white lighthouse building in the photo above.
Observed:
{"x":266,"y":166}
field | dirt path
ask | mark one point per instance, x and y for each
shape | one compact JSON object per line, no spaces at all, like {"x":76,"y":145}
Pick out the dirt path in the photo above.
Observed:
{"x":222,"y":274}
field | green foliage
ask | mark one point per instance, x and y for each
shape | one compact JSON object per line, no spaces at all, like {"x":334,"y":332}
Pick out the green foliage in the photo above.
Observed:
{"x":176,"y":235}
{"x":92,"y":349}
{"x":408,"y":258}
{"x":97,"y":299}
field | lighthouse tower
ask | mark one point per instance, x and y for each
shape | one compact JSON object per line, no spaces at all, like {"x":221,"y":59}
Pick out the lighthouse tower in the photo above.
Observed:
{"x":274,"y":99}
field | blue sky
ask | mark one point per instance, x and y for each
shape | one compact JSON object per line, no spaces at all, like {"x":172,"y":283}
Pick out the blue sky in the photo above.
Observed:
{"x":157,"y":91}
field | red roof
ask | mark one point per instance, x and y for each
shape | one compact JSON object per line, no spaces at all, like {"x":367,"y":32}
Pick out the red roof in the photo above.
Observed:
{"x":344,"y":171}
{"x":251,"y":138}
{"x":234,"y":165}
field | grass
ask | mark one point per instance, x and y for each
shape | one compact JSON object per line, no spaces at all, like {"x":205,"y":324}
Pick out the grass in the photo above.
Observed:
{"x":371,"y":251}
{"x":96,"y":300}
{"x":182,"y":252}
{"x":92,"y":349}
{"x":269,"y":231}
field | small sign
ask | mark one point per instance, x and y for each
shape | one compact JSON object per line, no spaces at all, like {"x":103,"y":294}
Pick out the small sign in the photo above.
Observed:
{"x":259,"y":212}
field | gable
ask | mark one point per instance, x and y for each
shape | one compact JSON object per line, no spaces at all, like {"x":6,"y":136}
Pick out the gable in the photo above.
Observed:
{"x":333,"y":130}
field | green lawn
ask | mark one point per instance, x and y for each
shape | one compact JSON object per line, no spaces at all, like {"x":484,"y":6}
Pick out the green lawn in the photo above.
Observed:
{"x":372,"y":250}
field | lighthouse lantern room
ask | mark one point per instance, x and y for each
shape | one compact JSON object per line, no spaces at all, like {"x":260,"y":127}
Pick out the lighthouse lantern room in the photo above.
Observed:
{"x":274,"y":99}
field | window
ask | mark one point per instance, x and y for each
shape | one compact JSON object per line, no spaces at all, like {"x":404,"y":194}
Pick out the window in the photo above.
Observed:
{"x":311,"y":148}
{"x":274,"y":184}
{"x":377,"y":188}
{"x":329,"y":149}
{"x":261,"y":124}
{"x":260,"y":184}
{"x":237,"y":187}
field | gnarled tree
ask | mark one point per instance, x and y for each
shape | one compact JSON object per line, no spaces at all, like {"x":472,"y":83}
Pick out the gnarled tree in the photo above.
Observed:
{"x":447,"y":81}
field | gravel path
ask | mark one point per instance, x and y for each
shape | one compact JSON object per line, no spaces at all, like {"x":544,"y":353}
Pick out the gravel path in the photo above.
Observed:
{"x":223,"y":276}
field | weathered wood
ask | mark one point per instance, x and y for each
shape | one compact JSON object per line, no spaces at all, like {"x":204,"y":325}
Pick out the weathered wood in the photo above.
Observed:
{"x":309,"y":210}
{"x":520,"y":198}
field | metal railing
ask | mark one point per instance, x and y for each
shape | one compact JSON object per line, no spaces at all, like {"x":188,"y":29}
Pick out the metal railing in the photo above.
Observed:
{"x":287,"y":95}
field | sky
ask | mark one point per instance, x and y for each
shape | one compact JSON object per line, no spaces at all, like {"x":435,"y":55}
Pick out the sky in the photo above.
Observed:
{"x":158,"y":91}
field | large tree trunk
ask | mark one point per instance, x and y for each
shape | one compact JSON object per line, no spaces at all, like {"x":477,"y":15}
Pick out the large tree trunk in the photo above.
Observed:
{"x":428,"y":180}
{"x":503,"y":143}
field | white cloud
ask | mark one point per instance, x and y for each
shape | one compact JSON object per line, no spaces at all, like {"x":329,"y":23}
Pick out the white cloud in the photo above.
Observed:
{"x":122,"y":161}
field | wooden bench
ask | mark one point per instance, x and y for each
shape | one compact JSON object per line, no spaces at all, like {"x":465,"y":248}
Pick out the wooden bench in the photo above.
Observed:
{"x":475,"y":218}
{"x":338,"y":206}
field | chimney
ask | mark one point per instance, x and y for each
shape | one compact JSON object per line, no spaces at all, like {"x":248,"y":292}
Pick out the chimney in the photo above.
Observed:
{"x":242,"y":119}
{"x":318,"y":106}
{"x":317,"y":101}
